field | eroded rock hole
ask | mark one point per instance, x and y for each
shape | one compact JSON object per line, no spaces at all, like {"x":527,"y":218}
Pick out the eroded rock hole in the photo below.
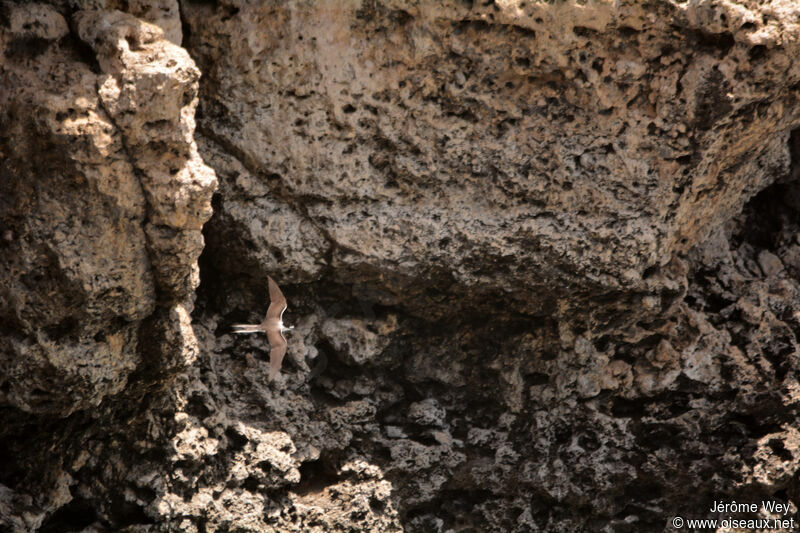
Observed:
{"x":74,"y":516}
{"x":315,"y":476}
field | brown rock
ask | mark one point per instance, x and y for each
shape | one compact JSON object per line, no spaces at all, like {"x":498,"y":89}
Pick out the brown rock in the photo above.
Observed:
{"x":547,"y":251}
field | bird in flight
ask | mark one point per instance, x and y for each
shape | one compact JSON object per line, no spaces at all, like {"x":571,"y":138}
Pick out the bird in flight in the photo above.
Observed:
{"x":273,"y":327}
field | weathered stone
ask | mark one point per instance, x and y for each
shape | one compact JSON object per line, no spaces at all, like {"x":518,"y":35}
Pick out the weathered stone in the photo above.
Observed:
{"x":770,"y":263}
{"x":492,"y":149}
{"x":427,"y":413}
{"x":523,"y":245}
{"x":87,"y":305}
{"x":359,"y":342}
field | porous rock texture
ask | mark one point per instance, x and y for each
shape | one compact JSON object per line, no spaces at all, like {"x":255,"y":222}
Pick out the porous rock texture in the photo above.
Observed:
{"x":543,"y":260}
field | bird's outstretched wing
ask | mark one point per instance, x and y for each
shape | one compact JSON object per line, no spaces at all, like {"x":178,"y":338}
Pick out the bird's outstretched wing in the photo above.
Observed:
{"x":277,"y":302}
{"x":277,"y":349}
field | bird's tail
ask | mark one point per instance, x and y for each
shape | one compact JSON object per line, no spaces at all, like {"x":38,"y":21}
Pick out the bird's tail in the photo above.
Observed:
{"x":247,"y":328}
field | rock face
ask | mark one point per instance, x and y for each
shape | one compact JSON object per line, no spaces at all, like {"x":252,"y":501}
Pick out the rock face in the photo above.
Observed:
{"x":104,"y":195}
{"x":543,"y":259}
{"x":103,"y":198}
{"x":544,"y":151}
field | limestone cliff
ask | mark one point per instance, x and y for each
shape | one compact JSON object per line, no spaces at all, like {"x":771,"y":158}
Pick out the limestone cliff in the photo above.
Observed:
{"x":543,"y":258}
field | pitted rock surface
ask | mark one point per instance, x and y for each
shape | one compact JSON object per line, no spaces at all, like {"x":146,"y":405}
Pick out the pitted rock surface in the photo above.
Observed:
{"x":543,"y":260}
